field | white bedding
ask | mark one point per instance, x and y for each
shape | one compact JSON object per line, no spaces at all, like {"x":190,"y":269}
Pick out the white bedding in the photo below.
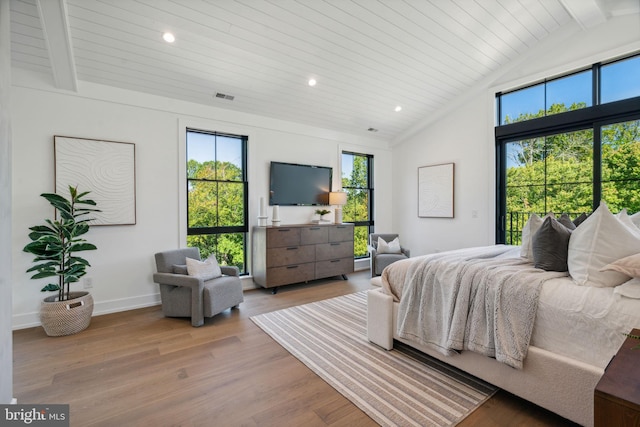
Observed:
{"x":581,"y":322}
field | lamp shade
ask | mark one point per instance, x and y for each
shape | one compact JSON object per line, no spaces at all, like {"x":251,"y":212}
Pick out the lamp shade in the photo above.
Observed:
{"x":338,"y":198}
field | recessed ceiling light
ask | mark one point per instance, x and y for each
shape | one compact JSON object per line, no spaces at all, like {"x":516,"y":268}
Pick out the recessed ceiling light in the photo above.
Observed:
{"x":398,"y":108}
{"x":312,"y":82}
{"x":168,"y":37}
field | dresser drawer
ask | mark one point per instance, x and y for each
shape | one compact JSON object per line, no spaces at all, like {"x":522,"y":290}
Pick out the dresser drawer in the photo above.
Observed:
{"x":341,"y":233}
{"x":278,"y":237}
{"x":277,"y":257}
{"x":334,"y":267}
{"x":313,"y":235}
{"x":290,"y":274}
{"x":329,"y":251}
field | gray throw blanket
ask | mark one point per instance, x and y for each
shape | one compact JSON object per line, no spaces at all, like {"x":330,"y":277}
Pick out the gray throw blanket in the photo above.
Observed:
{"x":472,"y":300}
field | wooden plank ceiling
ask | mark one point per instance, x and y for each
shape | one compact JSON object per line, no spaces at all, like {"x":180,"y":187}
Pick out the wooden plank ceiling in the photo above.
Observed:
{"x":368,"y":56}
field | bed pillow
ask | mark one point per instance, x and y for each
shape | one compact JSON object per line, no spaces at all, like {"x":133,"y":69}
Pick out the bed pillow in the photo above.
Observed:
{"x":628,"y":265}
{"x":530,"y":227}
{"x":550,"y":245}
{"x":600,"y":240}
{"x":393,"y":247}
{"x":580,"y":219}
{"x":630,"y":289}
{"x":565,"y":220}
{"x":206,"y":270}
{"x":635,"y":218}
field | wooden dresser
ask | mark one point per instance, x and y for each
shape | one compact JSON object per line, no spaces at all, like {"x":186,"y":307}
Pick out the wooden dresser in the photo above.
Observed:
{"x":617,"y":395}
{"x":301,"y":252}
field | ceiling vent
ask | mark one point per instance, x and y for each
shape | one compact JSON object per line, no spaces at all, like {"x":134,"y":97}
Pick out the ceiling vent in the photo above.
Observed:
{"x":372,"y":130}
{"x":224,"y":96}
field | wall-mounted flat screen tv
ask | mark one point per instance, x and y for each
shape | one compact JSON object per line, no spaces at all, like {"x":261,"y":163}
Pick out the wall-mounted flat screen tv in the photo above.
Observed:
{"x":299,"y":185}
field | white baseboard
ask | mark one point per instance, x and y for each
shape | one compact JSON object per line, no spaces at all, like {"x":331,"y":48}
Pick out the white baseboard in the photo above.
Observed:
{"x":30,"y":320}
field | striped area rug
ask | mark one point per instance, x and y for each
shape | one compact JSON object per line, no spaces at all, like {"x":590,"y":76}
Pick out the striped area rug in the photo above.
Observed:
{"x":395,"y":388}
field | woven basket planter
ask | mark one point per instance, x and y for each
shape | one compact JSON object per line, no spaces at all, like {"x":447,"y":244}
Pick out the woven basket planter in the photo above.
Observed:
{"x":67,"y":317}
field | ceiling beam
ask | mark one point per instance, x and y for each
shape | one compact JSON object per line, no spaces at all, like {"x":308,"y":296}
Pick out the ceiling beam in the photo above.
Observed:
{"x":55,"y":26}
{"x":587,"y":13}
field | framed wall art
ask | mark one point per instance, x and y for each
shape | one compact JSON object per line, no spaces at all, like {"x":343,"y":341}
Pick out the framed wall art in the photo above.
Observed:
{"x":106,"y":169}
{"x":435,"y":191}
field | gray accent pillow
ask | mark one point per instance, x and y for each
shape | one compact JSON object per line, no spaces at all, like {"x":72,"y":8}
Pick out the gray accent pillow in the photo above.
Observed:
{"x":550,"y":246}
{"x":565,"y":220}
{"x":580,"y":219}
{"x":180,"y":269}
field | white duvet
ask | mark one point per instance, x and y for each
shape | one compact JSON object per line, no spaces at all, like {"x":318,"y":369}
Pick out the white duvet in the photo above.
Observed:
{"x":581,"y":322}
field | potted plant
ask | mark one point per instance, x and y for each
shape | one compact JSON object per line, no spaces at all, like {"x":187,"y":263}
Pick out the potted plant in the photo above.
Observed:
{"x":322,"y":212}
{"x":54,"y":245}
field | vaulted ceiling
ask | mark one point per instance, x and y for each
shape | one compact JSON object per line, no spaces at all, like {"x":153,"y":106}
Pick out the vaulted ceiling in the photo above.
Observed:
{"x":257,"y":56}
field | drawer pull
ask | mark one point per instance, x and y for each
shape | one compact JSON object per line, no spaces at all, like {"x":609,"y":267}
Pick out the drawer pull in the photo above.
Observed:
{"x":335,"y":244}
{"x":290,"y":267}
{"x":341,"y":226}
{"x":335,"y":260}
{"x":314,"y":228}
{"x":282,"y":230}
{"x":292,"y":248}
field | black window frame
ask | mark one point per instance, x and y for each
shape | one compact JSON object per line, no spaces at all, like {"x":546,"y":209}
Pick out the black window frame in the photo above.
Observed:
{"x":595,"y":117}
{"x":369,"y":223}
{"x":218,"y":230}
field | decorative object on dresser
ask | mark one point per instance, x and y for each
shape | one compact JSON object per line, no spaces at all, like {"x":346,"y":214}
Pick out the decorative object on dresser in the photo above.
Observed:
{"x":321,"y":213}
{"x":301,"y":252}
{"x":262,"y":214}
{"x":275,"y":219}
{"x":617,"y":395}
{"x":55,"y":245}
{"x":338,"y":198}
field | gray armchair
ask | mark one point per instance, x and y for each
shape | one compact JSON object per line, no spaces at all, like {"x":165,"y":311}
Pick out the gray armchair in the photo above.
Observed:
{"x":379,"y":261}
{"x":187,"y":296}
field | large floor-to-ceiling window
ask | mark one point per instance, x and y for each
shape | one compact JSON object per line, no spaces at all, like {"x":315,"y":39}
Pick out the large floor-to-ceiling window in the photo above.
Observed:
{"x":357,"y":182}
{"x":565,"y":144}
{"x":217,"y":219}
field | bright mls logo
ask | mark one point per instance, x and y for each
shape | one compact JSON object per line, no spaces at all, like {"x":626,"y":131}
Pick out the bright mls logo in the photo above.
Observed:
{"x":34,"y":415}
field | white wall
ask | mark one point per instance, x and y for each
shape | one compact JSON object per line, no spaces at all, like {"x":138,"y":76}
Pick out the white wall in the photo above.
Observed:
{"x":465,"y":135}
{"x":122,"y":266}
{"x":6,"y":341}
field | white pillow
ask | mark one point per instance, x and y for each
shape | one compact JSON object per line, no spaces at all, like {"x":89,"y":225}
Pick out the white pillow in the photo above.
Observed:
{"x":629,"y":265}
{"x":635,"y":218}
{"x":206,"y":270}
{"x":600,"y":240}
{"x":393,"y":247}
{"x":630,"y":289}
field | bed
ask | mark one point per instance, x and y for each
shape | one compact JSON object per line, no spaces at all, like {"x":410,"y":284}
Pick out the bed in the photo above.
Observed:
{"x":465,"y":306}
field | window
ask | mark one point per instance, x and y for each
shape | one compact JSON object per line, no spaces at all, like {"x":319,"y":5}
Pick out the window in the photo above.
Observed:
{"x":217,"y":196}
{"x":619,"y":80}
{"x":357,"y":182}
{"x":548,"y":174}
{"x":569,"y":161}
{"x":555,"y":96}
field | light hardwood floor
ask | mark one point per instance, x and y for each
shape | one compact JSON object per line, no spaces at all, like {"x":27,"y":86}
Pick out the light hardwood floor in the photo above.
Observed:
{"x":138,"y":368}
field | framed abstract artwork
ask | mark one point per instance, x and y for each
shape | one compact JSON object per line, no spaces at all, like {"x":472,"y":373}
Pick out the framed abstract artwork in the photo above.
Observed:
{"x":106,"y":169}
{"x":435,"y":191}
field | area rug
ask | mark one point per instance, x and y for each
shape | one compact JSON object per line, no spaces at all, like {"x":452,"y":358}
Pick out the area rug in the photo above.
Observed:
{"x":394,"y":388}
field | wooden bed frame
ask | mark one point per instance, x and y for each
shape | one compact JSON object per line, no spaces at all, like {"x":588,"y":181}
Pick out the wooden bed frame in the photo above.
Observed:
{"x":557,"y":383}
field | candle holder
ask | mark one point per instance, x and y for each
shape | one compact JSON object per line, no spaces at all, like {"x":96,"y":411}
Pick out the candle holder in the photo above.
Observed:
{"x":262,"y":221}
